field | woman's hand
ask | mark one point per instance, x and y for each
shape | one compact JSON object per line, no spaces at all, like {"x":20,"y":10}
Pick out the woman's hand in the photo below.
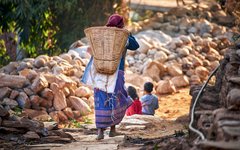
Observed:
{"x":89,"y":50}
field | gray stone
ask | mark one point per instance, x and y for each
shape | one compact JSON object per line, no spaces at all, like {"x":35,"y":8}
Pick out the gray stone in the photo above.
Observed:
{"x":9,"y":102}
{"x":4,"y":92}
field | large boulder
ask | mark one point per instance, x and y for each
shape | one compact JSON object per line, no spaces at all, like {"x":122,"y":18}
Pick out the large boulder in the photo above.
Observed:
{"x":39,"y":115}
{"x":13,"y":81}
{"x":165,"y":87}
{"x":83,"y":92}
{"x":144,"y":46}
{"x":136,"y":80}
{"x":80,"y":105}
{"x":174,"y":70}
{"x":202,"y":72}
{"x":154,"y":70}
{"x":59,"y":101}
{"x":39,"y":84}
{"x":180,"y":81}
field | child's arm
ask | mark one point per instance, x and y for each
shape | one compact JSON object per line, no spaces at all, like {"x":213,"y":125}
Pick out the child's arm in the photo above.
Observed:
{"x":157,"y":105}
{"x":146,"y":102}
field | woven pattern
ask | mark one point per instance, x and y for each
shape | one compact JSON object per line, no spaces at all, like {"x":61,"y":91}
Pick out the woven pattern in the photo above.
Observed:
{"x":108,"y":44}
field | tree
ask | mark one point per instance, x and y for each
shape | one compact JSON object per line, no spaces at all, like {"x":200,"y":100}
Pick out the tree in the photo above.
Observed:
{"x":73,"y":16}
{"x":31,"y":23}
{"x":34,"y":27}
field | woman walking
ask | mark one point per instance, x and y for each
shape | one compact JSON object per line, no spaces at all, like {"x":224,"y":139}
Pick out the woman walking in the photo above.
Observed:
{"x":110,"y":96}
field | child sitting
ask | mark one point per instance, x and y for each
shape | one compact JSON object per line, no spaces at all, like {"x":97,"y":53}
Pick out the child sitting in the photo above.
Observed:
{"x":136,"y":107}
{"x":149,"y":100}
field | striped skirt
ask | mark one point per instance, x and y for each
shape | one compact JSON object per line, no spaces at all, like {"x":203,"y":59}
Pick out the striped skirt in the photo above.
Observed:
{"x":110,"y":108}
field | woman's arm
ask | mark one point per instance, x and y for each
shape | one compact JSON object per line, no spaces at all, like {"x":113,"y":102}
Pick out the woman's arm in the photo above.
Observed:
{"x":132,"y":43}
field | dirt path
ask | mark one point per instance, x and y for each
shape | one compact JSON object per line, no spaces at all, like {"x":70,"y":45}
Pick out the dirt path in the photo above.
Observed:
{"x":136,"y":130}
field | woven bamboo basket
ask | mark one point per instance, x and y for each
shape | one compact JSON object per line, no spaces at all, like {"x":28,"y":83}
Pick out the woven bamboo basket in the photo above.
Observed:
{"x":108,"y":44}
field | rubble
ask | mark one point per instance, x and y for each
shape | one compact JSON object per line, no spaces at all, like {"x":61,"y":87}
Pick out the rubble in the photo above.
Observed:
{"x":180,"y":43}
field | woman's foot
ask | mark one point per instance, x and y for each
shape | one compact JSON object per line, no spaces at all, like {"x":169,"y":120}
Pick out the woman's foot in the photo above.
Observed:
{"x":113,"y":132}
{"x":100,"y":135}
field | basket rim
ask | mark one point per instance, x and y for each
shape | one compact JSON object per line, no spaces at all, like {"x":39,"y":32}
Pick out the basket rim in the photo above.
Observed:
{"x":105,"y":27}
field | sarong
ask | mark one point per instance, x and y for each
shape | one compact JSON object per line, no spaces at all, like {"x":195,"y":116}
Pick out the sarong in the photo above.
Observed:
{"x":110,"y":108}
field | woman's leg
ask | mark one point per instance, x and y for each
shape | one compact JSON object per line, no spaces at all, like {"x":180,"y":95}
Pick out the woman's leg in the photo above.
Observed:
{"x":112,"y":132}
{"x":100,"y":134}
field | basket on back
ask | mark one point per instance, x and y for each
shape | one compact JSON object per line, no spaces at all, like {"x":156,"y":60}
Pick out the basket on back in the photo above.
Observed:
{"x":108,"y":44}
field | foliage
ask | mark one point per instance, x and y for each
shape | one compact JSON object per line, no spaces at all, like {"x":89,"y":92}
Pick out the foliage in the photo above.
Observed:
{"x":43,"y":26}
{"x":17,"y":111}
{"x":73,"y":16}
{"x":87,"y":120}
{"x":75,"y":124}
{"x":4,"y":58}
{"x":31,"y":20}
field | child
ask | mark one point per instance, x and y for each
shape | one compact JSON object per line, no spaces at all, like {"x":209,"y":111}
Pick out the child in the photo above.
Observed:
{"x":149,"y":100}
{"x":136,"y":107}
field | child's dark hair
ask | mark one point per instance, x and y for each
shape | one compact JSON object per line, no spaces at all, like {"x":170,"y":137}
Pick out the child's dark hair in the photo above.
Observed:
{"x":132,"y":92}
{"x":148,"y":87}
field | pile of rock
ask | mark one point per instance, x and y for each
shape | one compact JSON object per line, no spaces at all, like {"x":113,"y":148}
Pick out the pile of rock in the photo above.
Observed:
{"x":45,"y":88}
{"x":19,"y":130}
{"x":218,"y":109}
{"x":179,"y":49}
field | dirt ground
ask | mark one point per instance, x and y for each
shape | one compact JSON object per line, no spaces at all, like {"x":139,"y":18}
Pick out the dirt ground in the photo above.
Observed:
{"x":175,"y":105}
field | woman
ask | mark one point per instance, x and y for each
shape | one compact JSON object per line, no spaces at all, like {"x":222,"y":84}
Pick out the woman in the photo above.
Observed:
{"x":110,"y":101}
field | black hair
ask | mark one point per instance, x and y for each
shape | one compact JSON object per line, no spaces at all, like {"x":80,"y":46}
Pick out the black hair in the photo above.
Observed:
{"x":148,"y":87}
{"x":132,"y":92}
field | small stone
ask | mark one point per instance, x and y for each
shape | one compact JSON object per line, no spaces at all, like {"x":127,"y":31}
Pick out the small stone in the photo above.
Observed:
{"x":30,"y":135}
{"x":192,"y":30}
{"x":66,"y":91}
{"x":202,"y":72}
{"x":39,"y":84}
{"x":28,"y":91}
{"x":28,"y":73}
{"x":68,"y":112}
{"x":23,"y":100}
{"x":14,"y":94}
{"x":62,"y":117}
{"x":183,"y":52}
{"x":35,"y":101}
{"x":9,"y":102}
{"x":39,"y":62}
{"x":66,"y":57}
{"x":4,"y":92}
{"x":160,"y":56}
{"x":54,"y":116}
{"x":47,"y":94}
{"x":3,"y":112}
{"x":195,"y":80}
